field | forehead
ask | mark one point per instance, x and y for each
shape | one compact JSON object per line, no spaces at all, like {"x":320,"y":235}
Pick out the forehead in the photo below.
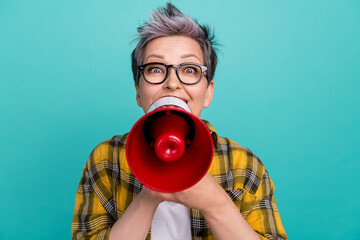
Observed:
{"x":173,"y":49}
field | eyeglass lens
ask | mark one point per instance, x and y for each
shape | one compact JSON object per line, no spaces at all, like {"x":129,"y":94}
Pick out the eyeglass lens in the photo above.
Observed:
{"x":188,"y":73}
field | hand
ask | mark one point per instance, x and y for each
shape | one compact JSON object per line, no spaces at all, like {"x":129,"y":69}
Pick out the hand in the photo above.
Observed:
{"x":224,"y":219}
{"x":202,"y":196}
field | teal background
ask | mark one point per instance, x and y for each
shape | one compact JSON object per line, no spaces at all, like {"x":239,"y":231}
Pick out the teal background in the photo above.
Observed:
{"x":286,"y":87}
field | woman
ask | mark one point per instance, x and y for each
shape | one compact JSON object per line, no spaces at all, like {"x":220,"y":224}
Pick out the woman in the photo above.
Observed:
{"x":234,"y":200}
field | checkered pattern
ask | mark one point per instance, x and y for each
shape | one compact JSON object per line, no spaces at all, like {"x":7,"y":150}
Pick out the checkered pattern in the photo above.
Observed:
{"x":108,"y":187}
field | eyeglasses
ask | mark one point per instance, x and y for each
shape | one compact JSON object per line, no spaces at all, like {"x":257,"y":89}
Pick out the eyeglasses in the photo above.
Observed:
{"x":187,"y":73}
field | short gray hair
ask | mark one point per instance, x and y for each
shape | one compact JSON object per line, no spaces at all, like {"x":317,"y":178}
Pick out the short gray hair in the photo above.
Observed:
{"x":170,"y":21}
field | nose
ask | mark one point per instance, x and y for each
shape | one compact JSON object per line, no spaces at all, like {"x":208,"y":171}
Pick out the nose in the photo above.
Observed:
{"x":172,"y":82}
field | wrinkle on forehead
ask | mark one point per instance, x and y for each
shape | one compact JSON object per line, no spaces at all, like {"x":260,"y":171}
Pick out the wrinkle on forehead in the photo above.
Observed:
{"x":167,"y":49}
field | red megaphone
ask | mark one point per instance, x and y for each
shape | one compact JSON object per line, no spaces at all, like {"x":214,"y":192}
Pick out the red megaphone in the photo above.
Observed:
{"x":169,"y":150}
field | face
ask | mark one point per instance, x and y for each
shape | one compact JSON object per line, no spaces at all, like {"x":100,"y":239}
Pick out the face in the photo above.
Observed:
{"x":174,"y":50}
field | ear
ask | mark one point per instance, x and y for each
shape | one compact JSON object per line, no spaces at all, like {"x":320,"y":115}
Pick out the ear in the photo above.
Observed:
{"x":209,"y":94}
{"x":138,"y":98}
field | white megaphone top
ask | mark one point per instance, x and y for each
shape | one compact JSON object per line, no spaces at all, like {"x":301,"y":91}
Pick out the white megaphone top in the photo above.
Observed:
{"x":169,"y":101}
{"x":171,"y":220}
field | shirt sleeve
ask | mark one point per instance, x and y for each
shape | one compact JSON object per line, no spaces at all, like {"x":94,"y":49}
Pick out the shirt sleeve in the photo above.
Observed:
{"x":90,"y":219}
{"x":261,"y":212}
{"x":95,"y":207}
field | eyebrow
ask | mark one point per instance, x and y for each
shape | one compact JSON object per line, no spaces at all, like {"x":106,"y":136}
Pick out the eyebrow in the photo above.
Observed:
{"x":154,"y":55}
{"x":189,"y":55}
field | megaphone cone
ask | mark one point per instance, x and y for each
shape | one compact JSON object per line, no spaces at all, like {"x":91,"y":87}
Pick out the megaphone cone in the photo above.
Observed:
{"x":169,"y":150}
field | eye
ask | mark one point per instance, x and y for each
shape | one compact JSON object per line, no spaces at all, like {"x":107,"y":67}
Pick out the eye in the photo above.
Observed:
{"x":190,"y":70}
{"x":154,"y":70}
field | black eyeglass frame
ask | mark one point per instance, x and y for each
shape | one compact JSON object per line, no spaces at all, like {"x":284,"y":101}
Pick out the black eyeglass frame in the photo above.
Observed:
{"x":202,"y":67}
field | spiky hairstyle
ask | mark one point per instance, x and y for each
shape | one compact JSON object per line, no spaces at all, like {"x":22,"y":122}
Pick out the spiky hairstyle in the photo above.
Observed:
{"x":169,"y":21}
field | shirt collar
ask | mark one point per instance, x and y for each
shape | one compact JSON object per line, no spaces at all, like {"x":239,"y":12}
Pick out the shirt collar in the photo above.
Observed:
{"x":213,"y":133}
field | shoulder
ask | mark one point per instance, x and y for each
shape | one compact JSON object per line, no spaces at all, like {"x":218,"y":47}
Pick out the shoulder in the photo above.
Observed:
{"x":106,"y":150}
{"x":117,"y":140}
{"x":246,"y":168}
{"x":234,"y":156}
{"x":241,"y":156}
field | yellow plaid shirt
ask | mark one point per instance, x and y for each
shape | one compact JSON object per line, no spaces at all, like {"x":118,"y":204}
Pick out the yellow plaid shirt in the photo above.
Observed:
{"x":107,"y":188}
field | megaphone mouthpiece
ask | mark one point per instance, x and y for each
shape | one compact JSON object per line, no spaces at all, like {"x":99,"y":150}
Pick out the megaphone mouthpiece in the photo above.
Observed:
{"x":169,"y":133}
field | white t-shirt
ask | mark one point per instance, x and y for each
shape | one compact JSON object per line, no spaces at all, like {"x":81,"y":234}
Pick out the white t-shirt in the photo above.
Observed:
{"x":171,"y":222}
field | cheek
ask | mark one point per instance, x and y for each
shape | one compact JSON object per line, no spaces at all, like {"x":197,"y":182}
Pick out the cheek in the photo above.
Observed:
{"x":145,"y":98}
{"x":197,"y":100}
{"x":148,"y":94}
{"x":201,"y":94}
